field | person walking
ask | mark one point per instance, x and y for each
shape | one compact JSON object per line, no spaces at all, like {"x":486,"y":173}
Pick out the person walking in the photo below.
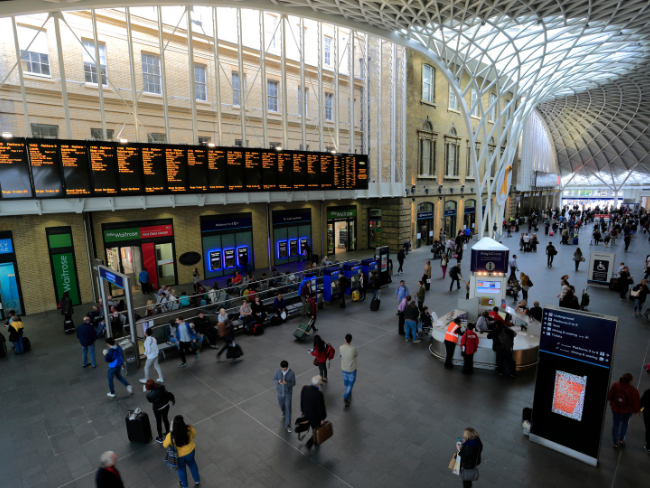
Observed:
{"x":443,"y":264}
{"x":577,"y":257}
{"x":151,"y":351}
{"x":348,"y":367}
{"x":426,"y":277}
{"x":513,"y":265}
{"x":363,"y":283}
{"x":305,"y":291}
{"x":312,"y":406}
{"x":411,"y":314}
{"x":313,"y":308}
{"x":645,"y":408}
{"x":226,"y":333}
{"x":401,"y":309}
{"x":107,"y":475}
{"x":627,"y":239}
{"x":624,"y":280}
{"x":319,"y":351}
{"x":468,"y":346}
{"x":143,"y":279}
{"x":66,"y":306}
{"x":525,"y":283}
{"x":455,"y":276}
{"x":624,"y":400}
{"x":401,"y":291}
{"x":113,"y":356}
{"x":639,"y":293}
{"x":181,"y":438}
{"x":469,"y":449}
{"x":285,"y":380}
{"x":375,"y":284}
{"x":185,"y":336}
{"x":87,"y":337}
{"x":400,"y":260}
{"x":550,"y":254}
{"x":161,"y":401}
{"x":451,"y":339}
{"x":420,"y":295}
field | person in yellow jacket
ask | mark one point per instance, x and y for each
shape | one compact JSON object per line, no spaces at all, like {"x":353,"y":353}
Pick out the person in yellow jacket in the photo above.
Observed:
{"x":16,"y":333}
{"x":451,"y":339}
{"x":182,"y":438}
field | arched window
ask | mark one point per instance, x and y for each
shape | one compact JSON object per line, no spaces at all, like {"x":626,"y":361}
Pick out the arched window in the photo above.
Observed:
{"x":427,"y":150}
{"x":452,"y":150}
{"x":428,"y":83}
{"x":470,"y":203}
{"x":427,"y":126}
{"x":452,"y":131}
{"x":450,"y":205}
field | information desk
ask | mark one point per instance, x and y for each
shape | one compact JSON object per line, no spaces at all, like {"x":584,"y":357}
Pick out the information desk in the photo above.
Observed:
{"x":525,"y":351}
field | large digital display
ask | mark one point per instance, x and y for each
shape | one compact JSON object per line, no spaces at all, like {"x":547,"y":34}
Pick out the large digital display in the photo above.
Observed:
{"x":14,"y":171}
{"x":44,"y":161}
{"x":76,"y":175}
{"x":40,"y":168}
{"x":491,"y":287}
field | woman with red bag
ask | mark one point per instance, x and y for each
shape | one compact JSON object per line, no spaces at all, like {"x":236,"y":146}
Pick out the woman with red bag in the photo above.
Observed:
{"x":320,"y":353}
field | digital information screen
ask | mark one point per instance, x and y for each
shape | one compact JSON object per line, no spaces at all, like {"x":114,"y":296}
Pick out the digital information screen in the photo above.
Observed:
{"x":338,"y":170}
{"x":491,"y":287}
{"x":175,"y":159}
{"x":129,"y":168}
{"x":217,"y":170}
{"x":326,"y":175}
{"x":270,"y":171}
{"x":576,"y":352}
{"x":235,"y":169}
{"x":285,"y":171}
{"x":229,"y":258}
{"x":154,"y":170}
{"x":313,"y":171}
{"x":197,"y":165}
{"x":362,"y":172}
{"x":282,"y":249}
{"x":253,"y":170}
{"x":299,"y":171}
{"x":14,"y":171}
{"x":215,"y":260}
{"x":76,"y":175}
{"x":350,"y":167}
{"x":44,"y":159}
{"x":242,"y":256}
{"x":293,"y":247}
{"x":103,"y":168}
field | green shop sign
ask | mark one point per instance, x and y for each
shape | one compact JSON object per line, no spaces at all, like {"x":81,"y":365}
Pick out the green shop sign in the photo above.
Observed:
{"x":122,"y":234}
{"x":341,"y":214}
{"x":65,"y":276}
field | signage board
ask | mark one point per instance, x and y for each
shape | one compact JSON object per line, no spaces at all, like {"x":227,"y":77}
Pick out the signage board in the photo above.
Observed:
{"x":6,"y":246}
{"x":65,"y":276}
{"x":341,"y":214}
{"x":291,"y":218}
{"x":374,"y":213}
{"x":425,"y":215}
{"x":503,"y":181}
{"x":489,"y":261}
{"x":576,"y":352}
{"x":601,"y":268}
{"x":219,"y":222}
{"x":546,"y":180}
{"x":111,"y":277}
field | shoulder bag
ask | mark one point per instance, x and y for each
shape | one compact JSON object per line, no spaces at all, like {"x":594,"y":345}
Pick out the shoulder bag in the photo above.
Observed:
{"x":171,"y":459}
{"x":469,"y":474}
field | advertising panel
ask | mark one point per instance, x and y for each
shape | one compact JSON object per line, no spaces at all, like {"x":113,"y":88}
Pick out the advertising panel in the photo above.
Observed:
{"x":65,"y":277}
{"x":489,"y":261}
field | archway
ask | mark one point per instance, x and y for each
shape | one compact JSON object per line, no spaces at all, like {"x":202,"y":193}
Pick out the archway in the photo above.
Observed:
{"x":451,"y":209}
{"x":424,"y":225}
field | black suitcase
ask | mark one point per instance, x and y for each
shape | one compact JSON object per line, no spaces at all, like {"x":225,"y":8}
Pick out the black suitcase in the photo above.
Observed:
{"x":68,"y":326}
{"x":139,"y":428}
{"x":234,"y":352}
{"x":374,"y":304}
{"x":27,"y":346}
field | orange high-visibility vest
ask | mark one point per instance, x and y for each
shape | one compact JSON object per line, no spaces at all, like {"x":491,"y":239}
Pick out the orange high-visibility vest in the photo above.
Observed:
{"x":451,"y":335}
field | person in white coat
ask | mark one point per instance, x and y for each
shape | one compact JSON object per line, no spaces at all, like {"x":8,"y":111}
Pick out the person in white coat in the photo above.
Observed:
{"x":151,"y":351}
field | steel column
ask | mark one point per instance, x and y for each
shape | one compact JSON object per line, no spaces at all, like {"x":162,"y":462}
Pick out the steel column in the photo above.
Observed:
{"x":352,"y":132}
{"x":100,"y":83}
{"x":321,"y":102}
{"x":403,"y":121}
{"x":28,"y":127}
{"x":242,"y":85}
{"x":64,"y":88}
{"x":134,"y":91}
{"x":283,"y":82}
{"x":366,"y":97}
{"x":265,"y":102}
{"x":393,"y":113}
{"x":163,"y":76}
{"x":335,"y":104}
{"x":303,"y":89}
{"x":380,"y":121}
{"x":217,"y":73}
{"x":190,"y":61}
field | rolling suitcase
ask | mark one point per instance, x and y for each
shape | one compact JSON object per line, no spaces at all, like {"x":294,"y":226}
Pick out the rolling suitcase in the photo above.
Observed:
{"x":68,"y":326}
{"x":575,"y":241}
{"x":302,"y":332}
{"x":374,"y":304}
{"x":27,"y":346}
{"x":324,"y":432}
{"x":356,"y":296}
{"x":234,"y":352}
{"x":138,"y":428}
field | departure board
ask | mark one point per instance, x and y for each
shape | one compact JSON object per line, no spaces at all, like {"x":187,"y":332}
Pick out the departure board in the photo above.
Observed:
{"x":14,"y":171}
{"x":285,"y":171}
{"x":103,"y":168}
{"x":269,"y":171}
{"x":235,"y":169}
{"x":76,"y":175}
{"x":327,"y":171}
{"x":338,"y":171}
{"x":253,"y":170}
{"x":313,"y":170}
{"x":129,"y":167}
{"x":217,"y":169}
{"x":154,"y":169}
{"x":349,"y":181}
{"x":362,"y":172}
{"x":197,"y":165}
{"x":176,"y":177}
{"x":46,"y":170}
{"x":299,"y":171}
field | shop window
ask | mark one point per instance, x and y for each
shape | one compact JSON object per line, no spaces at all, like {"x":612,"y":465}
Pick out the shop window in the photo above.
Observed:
{"x":272,"y":96}
{"x":327,"y":51}
{"x":151,"y":74}
{"x":97,"y":135}
{"x":428,"y":79}
{"x":453,"y":101}
{"x":474,"y":103}
{"x":493,"y":107}
{"x":44,"y":131}
{"x":90,"y":67}
{"x":36,"y":59}
{"x":156,"y":137}
{"x":200,"y":83}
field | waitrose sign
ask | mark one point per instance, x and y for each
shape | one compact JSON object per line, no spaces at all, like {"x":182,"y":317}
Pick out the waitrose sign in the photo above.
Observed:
{"x":341,"y":214}
{"x":122,"y":234}
{"x":65,"y":276}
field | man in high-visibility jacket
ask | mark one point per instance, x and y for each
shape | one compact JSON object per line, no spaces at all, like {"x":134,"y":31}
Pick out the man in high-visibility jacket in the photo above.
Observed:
{"x":451,"y":339}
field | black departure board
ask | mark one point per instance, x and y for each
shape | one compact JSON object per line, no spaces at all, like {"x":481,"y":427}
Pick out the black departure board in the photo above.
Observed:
{"x":299,"y":171}
{"x":154,"y":169}
{"x":269,"y":171}
{"x":285,"y":170}
{"x":253,"y":170}
{"x":76,"y":174}
{"x":103,"y":168}
{"x":14,"y":171}
{"x":176,"y":177}
{"x":326,"y":172}
{"x":129,"y":167}
{"x":235,"y":170}
{"x":197,"y":174}
{"x":46,"y":170}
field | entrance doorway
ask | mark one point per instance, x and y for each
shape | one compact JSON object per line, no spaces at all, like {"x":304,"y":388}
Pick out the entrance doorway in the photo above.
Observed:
{"x":341,"y":236}
{"x":126,"y":260}
{"x":165,"y":264}
{"x":469,"y":217}
{"x":450,"y":219}
{"x":424,"y":228}
{"x":9,"y":293}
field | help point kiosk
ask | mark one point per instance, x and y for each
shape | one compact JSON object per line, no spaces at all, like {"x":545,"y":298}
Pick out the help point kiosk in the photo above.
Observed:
{"x":488,"y":280}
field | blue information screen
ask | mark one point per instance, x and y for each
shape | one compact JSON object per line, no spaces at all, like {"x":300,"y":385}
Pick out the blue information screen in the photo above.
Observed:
{"x":111,"y":277}
{"x":6,"y":246}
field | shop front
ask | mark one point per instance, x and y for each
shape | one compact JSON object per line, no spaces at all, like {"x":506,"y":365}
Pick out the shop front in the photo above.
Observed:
{"x":134,"y":246}
{"x":374,"y":228}
{"x":424,"y":229}
{"x":469,"y":217}
{"x":341,"y":229}
{"x":291,"y":235}
{"x":11,"y":297}
{"x":227,"y":242}
{"x":63,"y":263}
{"x":450,"y":218}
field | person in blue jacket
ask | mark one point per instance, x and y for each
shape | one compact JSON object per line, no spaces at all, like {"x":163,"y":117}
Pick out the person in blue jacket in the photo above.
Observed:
{"x":143,"y":278}
{"x":185,"y":335}
{"x":87,"y":337}
{"x":114,"y":358}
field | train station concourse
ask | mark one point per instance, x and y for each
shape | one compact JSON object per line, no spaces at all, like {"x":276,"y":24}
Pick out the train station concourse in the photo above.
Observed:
{"x":448,"y":198}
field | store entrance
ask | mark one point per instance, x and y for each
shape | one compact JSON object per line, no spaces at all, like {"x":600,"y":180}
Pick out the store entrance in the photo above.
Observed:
{"x":9,"y":294}
{"x":165,"y":264}
{"x":126,"y":260}
{"x":341,"y":236}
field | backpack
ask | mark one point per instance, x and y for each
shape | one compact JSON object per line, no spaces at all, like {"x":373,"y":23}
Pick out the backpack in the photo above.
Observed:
{"x":505,"y":340}
{"x":330,"y":351}
{"x":530,"y":283}
{"x":620,"y":399}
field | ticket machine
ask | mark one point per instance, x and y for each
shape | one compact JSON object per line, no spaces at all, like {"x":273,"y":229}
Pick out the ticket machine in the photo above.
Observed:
{"x":351,"y":271}
{"x":489,"y":273}
{"x":383,"y":255}
{"x":368,"y":266}
{"x":331,"y":289}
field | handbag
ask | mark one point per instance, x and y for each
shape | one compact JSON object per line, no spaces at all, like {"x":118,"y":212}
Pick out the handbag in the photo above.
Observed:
{"x":301,"y":427}
{"x":283,"y":315}
{"x":453,"y":461}
{"x":469,"y":474}
{"x":429,"y":280}
{"x":582,"y":260}
{"x":171,"y":459}
{"x":457,"y":464}
{"x":635,"y":294}
{"x":315,"y":361}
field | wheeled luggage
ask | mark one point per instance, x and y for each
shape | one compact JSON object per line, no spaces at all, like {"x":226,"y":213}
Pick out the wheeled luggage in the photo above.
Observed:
{"x":302,"y":332}
{"x":138,"y":428}
{"x":575,"y":241}
{"x":27,"y":346}
{"x":68,"y":326}
{"x":551,"y":233}
{"x":234,"y":351}
{"x":356,"y":296}
{"x":323,"y":432}
{"x":258,"y":329}
{"x":374,"y":304}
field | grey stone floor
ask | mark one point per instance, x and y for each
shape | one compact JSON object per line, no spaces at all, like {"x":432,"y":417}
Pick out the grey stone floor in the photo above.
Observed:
{"x":400,"y":430}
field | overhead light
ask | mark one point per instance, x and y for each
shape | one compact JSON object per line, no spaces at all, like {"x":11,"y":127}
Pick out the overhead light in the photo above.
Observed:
{"x":413,"y":189}
{"x":124,"y":141}
{"x":426,"y":190}
{"x":333,"y":151}
{"x":210,"y":144}
{"x":279,"y":148}
{"x":462,"y":189}
{"x":7,"y":135}
{"x":439,"y":188}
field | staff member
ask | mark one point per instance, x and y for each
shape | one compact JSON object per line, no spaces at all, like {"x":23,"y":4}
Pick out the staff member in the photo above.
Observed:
{"x":451,"y":339}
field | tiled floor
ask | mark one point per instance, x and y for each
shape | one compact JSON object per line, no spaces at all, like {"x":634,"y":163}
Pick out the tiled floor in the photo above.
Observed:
{"x":399,"y":432}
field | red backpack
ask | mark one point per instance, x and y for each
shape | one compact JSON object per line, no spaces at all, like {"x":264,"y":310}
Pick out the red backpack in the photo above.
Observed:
{"x":330,"y":352}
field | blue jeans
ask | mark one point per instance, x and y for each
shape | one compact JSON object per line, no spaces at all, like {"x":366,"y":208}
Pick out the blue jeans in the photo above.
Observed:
{"x":285,"y":405}
{"x":619,"y":429}
{"x":374,"y":294}
{"x":638,"y":304}
{"x":84,"y":354}
{"x":409,"y":325}
{"x":19,"y":345}
{"x":194,"y":469}
{"x":115,"y":373}
{"x":348,"y":381}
